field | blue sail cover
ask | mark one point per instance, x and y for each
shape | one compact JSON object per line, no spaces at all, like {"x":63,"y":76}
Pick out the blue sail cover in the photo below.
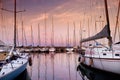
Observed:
{"x":105,"y":32}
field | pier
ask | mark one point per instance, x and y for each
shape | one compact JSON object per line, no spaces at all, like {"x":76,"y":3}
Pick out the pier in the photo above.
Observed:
{"x":37,"y":48}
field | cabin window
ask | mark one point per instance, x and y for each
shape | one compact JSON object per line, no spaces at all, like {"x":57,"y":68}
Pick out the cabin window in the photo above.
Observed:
{"x":104,"y":54}
{"x":117,"y":54}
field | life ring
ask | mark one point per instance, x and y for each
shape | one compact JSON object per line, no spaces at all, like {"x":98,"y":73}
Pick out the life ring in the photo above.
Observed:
{"x":90,"y":61}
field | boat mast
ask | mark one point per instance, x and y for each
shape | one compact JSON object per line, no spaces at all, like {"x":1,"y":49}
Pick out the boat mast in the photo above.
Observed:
{"x":17,"y":38}
{"x":25,"y":36}
{"x":117,"y":20}
{"x":32,"y":35}
{"x":80,"y":32}
{"x":15,"y":26}
{"x":52,"y":38}
{"x":74,"y":42}
{"x":14,"y":23}
{"x":45,"y":30}
{"x":108,"y":24}
{"x":22,"y":35}
{"x":68,"y":36}
{"x":39,"y":35}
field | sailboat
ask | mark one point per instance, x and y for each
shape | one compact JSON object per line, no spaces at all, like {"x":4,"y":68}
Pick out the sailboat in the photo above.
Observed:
{"x":68,"y":48}
{"x":52,"y":49}
{"x":39,"y":41}
{"x":14,"y":63}
{"x":99,"y":56}
{"x":45,"y":49}
{"x":22,"y":49}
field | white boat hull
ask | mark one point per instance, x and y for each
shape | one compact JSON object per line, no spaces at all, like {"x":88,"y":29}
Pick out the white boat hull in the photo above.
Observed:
{"x":110,"y":65}
{"x":51,"y":49}
{"x":69,"y":49}
{"x":102,"y":59}
{"x":14,"y":74}
{"x":11,"y":70}
{"x":44,"y":49}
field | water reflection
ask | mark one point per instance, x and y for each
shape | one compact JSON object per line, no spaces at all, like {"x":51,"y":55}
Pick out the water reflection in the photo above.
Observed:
{"x":23,"y":76}
{"x":62,"y":66}
{"x":54,"y":66}
{"x":88,"y":73}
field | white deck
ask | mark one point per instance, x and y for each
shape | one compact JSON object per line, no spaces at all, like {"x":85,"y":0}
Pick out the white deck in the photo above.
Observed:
{"x":13,"y":67}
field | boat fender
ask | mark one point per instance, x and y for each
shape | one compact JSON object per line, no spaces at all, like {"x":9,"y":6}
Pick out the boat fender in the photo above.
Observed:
{"x":8,"y":60}
{"x":30,"y":61}
{"x":3,"y":73}
{"x":83,"y":52}
{"x":79,"y":59}
{"x":82,"y":60}
{"x":90,"y":61}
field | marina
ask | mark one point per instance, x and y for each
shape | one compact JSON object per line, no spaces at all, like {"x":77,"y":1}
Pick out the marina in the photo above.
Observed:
{"x":59,"y":40}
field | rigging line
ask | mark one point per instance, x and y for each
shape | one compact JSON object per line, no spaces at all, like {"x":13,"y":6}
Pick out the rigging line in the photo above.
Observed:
{"x":2,"y":20}
{"x":24,"y":40}
{"x":68,"y":43}
{"x":32,"y":35}
{"x":39,"y":34}
{"x":103,"y":13}
{"x":74,"y":34}
{"x":117,"y":20}
{"x":119,"y":31}
{"x":17,"y":36}
{"x":22,"y":34}
{"x":4,"y":27}
{"x":25,"y":36}
{"x":52,"y":35}
{"x":80,"y":33}
{"x":112,"y":16}
{"x":45,"y":28}
{"x":88,"y":27}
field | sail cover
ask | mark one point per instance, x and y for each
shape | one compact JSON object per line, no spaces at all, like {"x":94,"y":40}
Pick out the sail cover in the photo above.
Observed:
{"x":105,"y":32}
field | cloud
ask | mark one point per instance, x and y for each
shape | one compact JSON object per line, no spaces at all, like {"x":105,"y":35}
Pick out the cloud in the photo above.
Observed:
{"x":39,"y":18}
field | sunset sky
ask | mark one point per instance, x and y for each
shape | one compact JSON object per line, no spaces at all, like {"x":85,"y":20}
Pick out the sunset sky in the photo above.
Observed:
{"x":76,"y":13}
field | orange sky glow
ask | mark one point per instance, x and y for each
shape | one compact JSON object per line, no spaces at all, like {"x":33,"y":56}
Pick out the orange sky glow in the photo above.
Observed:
{"x":76,"y":13}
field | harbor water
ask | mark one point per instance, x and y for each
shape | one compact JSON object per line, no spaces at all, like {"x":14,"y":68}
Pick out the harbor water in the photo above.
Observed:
{"x":52,"y":66}
{"x":62,"y":66}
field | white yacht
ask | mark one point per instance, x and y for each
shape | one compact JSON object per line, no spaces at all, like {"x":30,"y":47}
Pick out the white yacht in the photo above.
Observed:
{"x":103,"y":58}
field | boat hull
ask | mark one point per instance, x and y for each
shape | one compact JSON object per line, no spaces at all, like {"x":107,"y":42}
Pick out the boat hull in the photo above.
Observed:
{"x":13,"y":74}
{"x":107,"y":64}
{"x":95,"y":74}
{"x":69,"y":49}
{"x":52,"y":50}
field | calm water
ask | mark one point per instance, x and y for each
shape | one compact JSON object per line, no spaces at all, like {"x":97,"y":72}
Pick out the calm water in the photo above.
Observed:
{"x":88,"y":73}
{"x":62,"y":66}
{"x":58,"y":66}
